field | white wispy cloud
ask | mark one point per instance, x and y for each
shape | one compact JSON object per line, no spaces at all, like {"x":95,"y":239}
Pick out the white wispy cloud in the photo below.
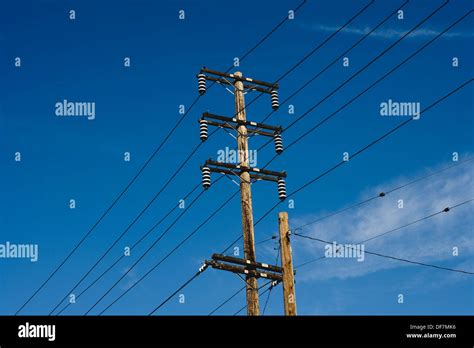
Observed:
{"x":130,"y":278}
{"x":430,"y":241}
{"x":386,"y":33}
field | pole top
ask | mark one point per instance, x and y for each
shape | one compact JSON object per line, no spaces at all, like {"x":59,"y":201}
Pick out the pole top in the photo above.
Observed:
{"x":238,"y":73}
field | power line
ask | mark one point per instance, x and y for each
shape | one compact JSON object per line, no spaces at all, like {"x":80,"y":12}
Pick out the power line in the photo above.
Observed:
{"x":310,"y":261}
{"x":360,"y":94}
{"x":334,"y":61}
{"x":384,"y":193}
{"x":447,"y":209}
{"x":430,"y":175}
{"x":390,"y":257}
{"x":161,"y":261}
{"x":262,"y":40}
{"x":266,"y":240}
{"x":187,"y":282}
{"x":266,"y":301}
{"x":271,"y":287}
{"x":309,"y":54}
{"x":426,"y":217}
{"x":381,"y":54}
{"x":300,"y":62}
{"x":260,"y":294}
{"x":360,"y":151}
{"x":355,"y":154}
{"x":317,"y":48}
{"x":393,"y":130}
{"x":227,"y":300}
{"x":353,"y":99}
{"x":369,"y":87}
{"x":393,"y":230}
{"x":319,"y":102}
{"x":155,"y":152}
{"x":138,"y":242}
{"x":131,"y":248}
{"x":241,"y":289}
{"x":320,"y":46}
{"x":375,"y":141}
{"x":189,"y":109}
{"x":330,"y":64}
{"x":202,"y":269}
{"x":129,"y":226}
{"x":362,"y":10}
{"x":149,"y":248}
{"x":194,"y":277}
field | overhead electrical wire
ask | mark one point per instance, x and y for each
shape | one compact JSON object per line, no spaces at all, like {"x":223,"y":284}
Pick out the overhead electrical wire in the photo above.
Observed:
{"x":424,"y":264}
{"x":366,"y":147}
{"x":385,"y":193}
{"x":159,"y":263}
{"x":388,"y":256}
{"x":131,"y":249}
{"x":262,"y":293}
{"x":155,"y":152}
{"x":365,"y":90}
{"x":306,"y":57}
{"x":392,"y":130}
{"x":127,"y":229}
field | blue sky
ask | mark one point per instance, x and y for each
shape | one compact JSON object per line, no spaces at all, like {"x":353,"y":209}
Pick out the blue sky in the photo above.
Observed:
{"x":76,"y":158}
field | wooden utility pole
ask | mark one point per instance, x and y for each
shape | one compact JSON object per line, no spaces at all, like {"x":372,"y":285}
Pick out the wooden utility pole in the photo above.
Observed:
{"x":247,"y":266}
{"x":253,"y":307}
{"x":289,"y":298}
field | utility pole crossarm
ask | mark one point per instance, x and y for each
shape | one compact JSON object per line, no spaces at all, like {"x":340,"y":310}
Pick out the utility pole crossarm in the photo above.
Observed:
{"x":248,"y":263}
{"x":224,"y":81}
{"x":225,"y":78}
{"x":246,"y":168}
{"x":234,"y":121}
{"x":238,"y":77}
{"x":245,"y":271}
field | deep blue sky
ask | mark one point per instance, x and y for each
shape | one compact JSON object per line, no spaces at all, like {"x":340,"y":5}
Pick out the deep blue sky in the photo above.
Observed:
{"x":64,"y":158}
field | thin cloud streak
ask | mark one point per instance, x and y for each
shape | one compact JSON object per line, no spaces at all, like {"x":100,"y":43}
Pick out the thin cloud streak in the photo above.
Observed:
{"x":388,"y":33}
